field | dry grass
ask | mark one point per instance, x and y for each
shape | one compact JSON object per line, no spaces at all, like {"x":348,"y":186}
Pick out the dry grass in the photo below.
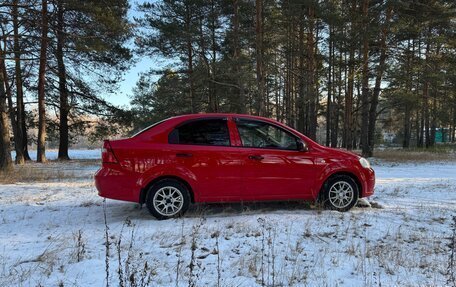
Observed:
{"x":28,"y":173}
{"x":51,"y":171}
{"x":416,"y":155}
{"x":86,"y":162}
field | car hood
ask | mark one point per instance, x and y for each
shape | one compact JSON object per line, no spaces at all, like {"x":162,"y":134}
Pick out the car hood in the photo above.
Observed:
{"x":340,"y":153}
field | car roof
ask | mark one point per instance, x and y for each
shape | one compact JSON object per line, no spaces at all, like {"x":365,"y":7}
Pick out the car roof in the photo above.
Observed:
{"x":176,"y":120}
{"x":182,"y":118}
{"x":205,"y":115}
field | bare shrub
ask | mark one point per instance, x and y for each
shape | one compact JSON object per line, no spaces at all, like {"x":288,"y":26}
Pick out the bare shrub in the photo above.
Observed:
{"x":216,"y":235}
{"x":107,"y":253}
{"x":452,"y":257}
{"x":193,"y":265}
{"x":179,"y":254}
{"x":133,"y":271}
{"x":80,"y":250}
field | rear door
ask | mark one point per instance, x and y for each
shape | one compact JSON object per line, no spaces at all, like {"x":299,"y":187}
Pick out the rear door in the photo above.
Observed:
{"x":203,"y":147}
{"x":273,"y":166}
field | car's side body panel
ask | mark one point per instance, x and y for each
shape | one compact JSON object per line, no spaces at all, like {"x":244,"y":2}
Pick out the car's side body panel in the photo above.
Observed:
{"x":224,"y":173}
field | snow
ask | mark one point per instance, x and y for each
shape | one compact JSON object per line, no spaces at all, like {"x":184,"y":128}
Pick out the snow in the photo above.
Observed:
{"x":405,"y":243}
{"x":72,"y":153}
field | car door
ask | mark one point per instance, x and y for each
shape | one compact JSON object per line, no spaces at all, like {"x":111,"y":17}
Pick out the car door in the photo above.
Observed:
{"x":203,"y":148}
{"x":274,"y":168}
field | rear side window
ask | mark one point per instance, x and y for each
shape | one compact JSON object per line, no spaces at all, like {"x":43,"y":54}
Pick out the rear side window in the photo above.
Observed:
{"x":201,"y":132}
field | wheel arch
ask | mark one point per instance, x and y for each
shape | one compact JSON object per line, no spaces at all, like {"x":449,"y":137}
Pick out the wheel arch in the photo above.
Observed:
{"x":143,"y":193}
{"x":346,"y":173}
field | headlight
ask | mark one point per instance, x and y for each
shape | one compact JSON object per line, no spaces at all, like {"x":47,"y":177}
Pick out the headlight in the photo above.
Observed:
{"x":364,"y":162}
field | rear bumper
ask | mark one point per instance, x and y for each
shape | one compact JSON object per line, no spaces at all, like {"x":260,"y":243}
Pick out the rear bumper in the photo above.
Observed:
{"x":114,"y":184}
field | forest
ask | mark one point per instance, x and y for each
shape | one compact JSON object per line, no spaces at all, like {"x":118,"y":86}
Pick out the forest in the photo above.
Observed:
{"x":341,"y":72}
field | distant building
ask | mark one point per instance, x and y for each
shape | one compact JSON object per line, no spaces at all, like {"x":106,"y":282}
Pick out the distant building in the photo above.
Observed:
{"x":442,"y":135}
{"x":388,"y":136}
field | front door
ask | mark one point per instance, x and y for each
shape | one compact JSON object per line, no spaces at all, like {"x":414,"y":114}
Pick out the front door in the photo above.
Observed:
{"x":274,"y":168}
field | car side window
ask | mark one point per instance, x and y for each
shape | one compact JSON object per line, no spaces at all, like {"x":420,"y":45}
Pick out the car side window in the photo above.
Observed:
{"x":260,"y":134}
{"x":201,"y":132}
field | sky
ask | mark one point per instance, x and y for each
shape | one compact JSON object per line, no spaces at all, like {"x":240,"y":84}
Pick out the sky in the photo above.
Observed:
{"x":123,"y":97}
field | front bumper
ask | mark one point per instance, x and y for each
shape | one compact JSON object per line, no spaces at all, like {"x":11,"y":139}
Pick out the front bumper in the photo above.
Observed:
{"x":369,"y":182}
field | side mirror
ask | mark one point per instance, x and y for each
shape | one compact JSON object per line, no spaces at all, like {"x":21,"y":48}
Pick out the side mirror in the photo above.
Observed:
{"x":302,"y":146}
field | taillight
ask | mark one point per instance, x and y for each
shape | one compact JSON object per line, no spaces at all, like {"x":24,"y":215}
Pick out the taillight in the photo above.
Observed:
{"x":107,"y":154}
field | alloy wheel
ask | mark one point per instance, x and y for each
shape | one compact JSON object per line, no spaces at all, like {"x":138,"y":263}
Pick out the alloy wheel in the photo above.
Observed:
{"x":168,"y":201}
{"x":341,"y":194}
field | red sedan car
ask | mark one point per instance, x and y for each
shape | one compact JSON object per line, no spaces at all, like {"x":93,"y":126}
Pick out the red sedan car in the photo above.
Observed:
{"x":228,"y":158}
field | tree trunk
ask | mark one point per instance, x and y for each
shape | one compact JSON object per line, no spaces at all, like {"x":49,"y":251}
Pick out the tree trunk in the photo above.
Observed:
{"x":259,"y":59}
{"x":453,"y":130}
{"x":406,"y":141}
{"x":23,"y":126}
{"x":328,"y":102}
{"x":41,"y":149}
{"x":348,"y":119}
{"x":351,"y":43}
{"x":365,"y":84}
{"x":426,"y":100}
{"x":421,"y":128}
{"x":191,"y":93}
{"x":357,"y":110}
{"x":241,"y":108}
{"x":335,"y":129}
{"x":17,"y":117}
{"x":433,"y":120}
{"x":453,"y":125}
{"x":5,"y":152}
{"x":407,"y":112}
{"x":294,"y":62}
{"x":312,"y":74}
{"x":213,"y":101}
{"x":378,"y":81}
{"x":9,"y":98}
{"x":64,"y":106}
{"x":17,"y":125}
{"x":302,"y":97}
{"x":434,"y":89}
{"x":288,"y":78}
{"x":278,"y":86}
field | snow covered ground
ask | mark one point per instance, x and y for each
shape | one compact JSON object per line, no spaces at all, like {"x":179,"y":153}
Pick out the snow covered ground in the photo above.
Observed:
{"x":72,"y":153}
{"x":53,"y":233}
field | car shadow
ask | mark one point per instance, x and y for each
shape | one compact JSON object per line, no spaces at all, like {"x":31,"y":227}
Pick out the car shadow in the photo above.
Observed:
{"x":118,"y":211}
{"x":247,"y":208}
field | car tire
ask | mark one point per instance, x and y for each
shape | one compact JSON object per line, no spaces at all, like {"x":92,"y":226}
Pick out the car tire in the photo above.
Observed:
{"x":340,"y":192}
{"x":167,"y":198}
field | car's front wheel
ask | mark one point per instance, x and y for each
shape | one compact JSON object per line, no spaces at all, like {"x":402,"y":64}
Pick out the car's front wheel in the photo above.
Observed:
{"x":167,"y":199}
{"x":340,"y":192}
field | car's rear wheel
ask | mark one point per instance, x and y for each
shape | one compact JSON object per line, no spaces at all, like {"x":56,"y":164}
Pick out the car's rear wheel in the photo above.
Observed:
{"x":167,"y":199}
{"x":340,"y":193}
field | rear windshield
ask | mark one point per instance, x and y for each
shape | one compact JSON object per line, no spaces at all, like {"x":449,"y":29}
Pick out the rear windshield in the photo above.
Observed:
{"x":148,"y":128}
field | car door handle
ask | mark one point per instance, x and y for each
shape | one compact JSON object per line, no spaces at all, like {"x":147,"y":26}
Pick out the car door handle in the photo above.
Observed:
{"x":184,"y":155}
{"x":256,"y":157}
